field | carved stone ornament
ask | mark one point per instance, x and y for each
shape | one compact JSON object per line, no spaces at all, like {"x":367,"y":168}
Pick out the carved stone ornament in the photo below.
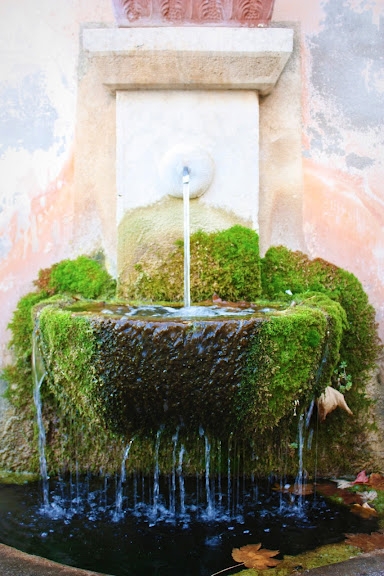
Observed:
{"x":193,"y":12}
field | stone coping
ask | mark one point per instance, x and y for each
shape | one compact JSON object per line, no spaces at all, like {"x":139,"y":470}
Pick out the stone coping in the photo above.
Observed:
{"x":189,"y":58}
{"x":13,"y":562}
{"x":16,"y":563}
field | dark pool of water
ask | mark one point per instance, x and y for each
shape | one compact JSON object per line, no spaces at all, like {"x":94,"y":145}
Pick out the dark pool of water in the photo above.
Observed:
{"x":84,"y":526}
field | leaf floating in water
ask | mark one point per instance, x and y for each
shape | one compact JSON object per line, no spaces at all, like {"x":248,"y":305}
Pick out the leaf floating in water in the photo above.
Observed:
{"x":252,"y":556}
{"x":296,"y":489}
{"x":366,"y":542}
{"x":329,"y":401}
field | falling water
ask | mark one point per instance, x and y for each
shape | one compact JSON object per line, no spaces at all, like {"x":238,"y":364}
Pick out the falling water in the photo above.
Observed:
{"x":299,"y":483}
{"x":156,"y":476}
{"x":219,"y":474}
{"x":187,"y":290}
{"x":39,"y":375}
{"x":304,"y":422}
{"x":209,"y":495}
{"x":120,"y":485}
{"x":229,"y":487}
{"x":172,"y":495}
{"x":181,"y":480}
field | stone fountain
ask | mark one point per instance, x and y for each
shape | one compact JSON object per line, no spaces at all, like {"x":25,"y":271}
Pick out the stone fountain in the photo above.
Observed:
{"x":178,"y":89}
{"x":182,"y":86}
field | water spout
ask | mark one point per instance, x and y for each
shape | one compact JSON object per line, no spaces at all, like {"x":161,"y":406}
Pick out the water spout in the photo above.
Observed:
{"x":187,"y":257}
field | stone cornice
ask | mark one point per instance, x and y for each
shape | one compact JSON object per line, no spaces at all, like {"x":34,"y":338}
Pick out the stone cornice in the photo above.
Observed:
{"x":189,"y":58}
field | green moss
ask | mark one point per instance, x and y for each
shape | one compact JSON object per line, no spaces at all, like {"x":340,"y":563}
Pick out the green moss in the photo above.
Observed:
{"x":19,"y":374}
{"x":285,"y":363}
{"x":291,"y":360}
{"x":83,"y":276}
{"x":7,"y":477}
{"x":284,"y":270}
{"x":225,"y":262}
{"x":342,"y":441}
{"x":68,"y":346}
{"x":323,"y":556}
{"x":378,"y":503}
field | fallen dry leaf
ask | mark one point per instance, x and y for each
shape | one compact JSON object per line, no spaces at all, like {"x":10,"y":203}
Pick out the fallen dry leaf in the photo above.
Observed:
{"x":364,"y":510}
{"x":361,"y":478}
{"x":377,"y":481}
{"x":240,"y":304}
{"x":252,"y":556}
{"x":330,"y":489}
{"x":369,"y":495}
{"x":366,"y":542}
{"x":329,"y":401}
{"x":344,"y":484}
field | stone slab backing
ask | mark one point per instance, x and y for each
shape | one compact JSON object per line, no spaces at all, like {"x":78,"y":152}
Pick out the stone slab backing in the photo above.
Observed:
{"x":243,"y":60}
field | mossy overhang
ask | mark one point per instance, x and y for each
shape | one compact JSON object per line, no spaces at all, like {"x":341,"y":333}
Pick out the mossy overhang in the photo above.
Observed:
{"x":224,"y":375}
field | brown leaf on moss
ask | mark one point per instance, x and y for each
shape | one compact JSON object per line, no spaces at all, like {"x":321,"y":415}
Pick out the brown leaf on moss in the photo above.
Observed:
{"x":329,"y":401}
{"x":330,"y":489}
{"x":366,"y":542}
{"x":252,"y":556}
{"x":364,"y":510}
{"x":376,"y":480}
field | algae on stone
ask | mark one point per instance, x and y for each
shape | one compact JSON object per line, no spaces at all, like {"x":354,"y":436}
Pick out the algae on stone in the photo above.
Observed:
{"x":225,"y":262}
{"x":286,"y":361}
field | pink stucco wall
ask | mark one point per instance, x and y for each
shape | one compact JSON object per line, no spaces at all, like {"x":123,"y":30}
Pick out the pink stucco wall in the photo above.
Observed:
{"x":342,"y":134}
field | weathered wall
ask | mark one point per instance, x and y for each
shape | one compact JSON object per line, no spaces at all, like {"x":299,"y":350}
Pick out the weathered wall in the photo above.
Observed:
{"x":39,"y":45}
{"x":336,"y":176}
{"x":343,"y":136}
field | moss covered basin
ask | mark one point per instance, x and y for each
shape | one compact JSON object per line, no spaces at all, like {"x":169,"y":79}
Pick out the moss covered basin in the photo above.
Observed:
{"x":136,"y":370}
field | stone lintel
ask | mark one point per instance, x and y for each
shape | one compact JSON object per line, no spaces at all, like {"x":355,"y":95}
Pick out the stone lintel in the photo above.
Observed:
{"x":189,"y":58}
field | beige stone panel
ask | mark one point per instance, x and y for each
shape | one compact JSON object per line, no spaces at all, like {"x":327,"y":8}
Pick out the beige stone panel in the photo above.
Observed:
{"x":224,"y":125}
{"x":94,"y":171}
{"x":281,"y":179}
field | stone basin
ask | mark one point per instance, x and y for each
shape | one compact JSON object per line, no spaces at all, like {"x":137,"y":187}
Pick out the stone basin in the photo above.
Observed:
{"x":138,"y":373}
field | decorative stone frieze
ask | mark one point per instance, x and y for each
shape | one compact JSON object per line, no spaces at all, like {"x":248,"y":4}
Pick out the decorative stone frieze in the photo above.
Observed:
{"x":193,"y":12}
